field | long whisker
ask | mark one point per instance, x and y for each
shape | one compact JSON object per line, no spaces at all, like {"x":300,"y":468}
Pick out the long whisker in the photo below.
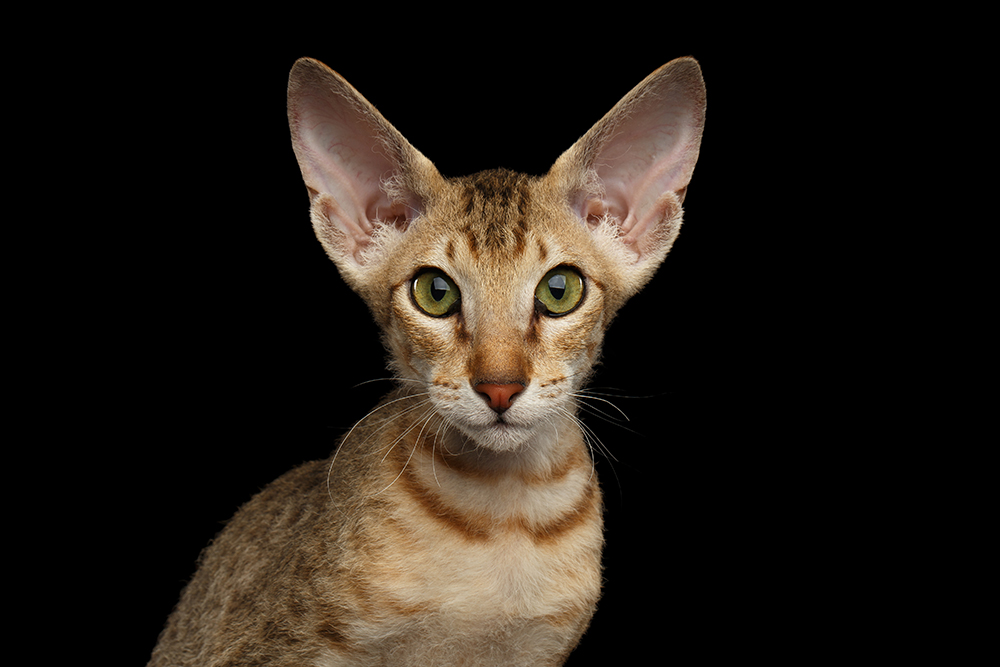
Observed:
{"x":392,"y":379}
{"x":437,"y":438}
{"x":599,"y":444}
{"x":584,"y":394}
{"x":572,"y":418}
{"x":593,"y":391}
{"x":343,"y":441}
{"x":416,"y":443}
{"x":409,"y":428}
{"x":595,"y":444}
{"x":601,"y":414}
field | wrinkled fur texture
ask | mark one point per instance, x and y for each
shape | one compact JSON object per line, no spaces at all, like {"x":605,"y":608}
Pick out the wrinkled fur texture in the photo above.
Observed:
{"x":452,"y":526}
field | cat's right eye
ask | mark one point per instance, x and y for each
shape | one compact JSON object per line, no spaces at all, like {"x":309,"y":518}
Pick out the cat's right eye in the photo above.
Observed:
{"x":560,"y":291}
{"x":435,"y":293}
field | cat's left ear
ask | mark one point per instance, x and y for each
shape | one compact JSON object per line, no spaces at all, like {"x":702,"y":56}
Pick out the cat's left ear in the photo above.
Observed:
{"x":633,"y":167}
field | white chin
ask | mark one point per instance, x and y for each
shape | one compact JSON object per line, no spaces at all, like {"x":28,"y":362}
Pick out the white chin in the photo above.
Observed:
{"x":499,"y":437}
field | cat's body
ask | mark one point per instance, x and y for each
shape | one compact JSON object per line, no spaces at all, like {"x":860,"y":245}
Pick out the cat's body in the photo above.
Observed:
{"x":460,"y":522}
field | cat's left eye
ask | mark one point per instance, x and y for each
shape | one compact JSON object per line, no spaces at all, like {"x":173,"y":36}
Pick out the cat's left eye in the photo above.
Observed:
{"x":560,"y":291}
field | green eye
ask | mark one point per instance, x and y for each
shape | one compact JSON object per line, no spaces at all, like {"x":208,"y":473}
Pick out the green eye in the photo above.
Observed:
{"x":434,"y":293}
{"x":560,"y":291}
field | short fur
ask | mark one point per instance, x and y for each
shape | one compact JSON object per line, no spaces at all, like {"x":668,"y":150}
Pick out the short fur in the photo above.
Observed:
{"x":459,"y":523}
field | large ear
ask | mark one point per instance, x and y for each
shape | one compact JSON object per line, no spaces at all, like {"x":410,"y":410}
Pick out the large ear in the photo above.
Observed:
{"x":633,"y":167}
{"x":360,"y":172}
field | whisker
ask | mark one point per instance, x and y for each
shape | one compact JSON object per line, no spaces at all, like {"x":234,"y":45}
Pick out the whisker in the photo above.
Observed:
{"x":437,"y":436}
{"x":343,"y":441}
{"x":601,"y":414}
{"x":595,"y":444}
{"x":408,"y":428}
{"x":416,"y":443}
{"x":617,"y":393}
{"x":590,"y":437}
{"x":392,"y":379}
{"x":597,"y":397}
{"x":600,"y":446}
{"x":590,"y":445}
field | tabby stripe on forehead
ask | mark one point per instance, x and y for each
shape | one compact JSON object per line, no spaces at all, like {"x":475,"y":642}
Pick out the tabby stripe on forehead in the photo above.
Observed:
{"x":500,"y":188}
{"x":497,"y":203}
{"x":543,"y":252}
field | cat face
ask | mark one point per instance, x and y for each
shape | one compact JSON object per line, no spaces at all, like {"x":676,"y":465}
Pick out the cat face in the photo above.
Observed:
{"x":497,"y":306}
{"x":493,"y":291}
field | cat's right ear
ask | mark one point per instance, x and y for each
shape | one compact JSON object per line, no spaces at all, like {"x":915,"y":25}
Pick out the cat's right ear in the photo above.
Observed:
{"x":360,"y":172}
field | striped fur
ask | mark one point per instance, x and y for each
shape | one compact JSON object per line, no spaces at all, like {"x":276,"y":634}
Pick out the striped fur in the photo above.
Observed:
{"x":452,"y":526}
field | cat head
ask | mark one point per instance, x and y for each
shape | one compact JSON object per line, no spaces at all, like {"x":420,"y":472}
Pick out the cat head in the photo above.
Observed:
{"x":495,"y":289}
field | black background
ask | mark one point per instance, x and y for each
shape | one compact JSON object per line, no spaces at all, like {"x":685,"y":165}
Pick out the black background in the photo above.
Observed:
{"x":213,"y":346}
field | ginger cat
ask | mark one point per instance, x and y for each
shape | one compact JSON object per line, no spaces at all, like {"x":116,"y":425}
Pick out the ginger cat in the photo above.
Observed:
{"x":459,"y":523}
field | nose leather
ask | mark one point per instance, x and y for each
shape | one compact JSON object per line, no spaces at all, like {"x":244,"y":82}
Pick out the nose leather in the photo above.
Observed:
{"x":499,"y":396}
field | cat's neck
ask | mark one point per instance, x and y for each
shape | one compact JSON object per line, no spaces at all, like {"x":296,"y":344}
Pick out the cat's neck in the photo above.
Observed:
{"x":479,"y":491}
{"x":545,"y":487}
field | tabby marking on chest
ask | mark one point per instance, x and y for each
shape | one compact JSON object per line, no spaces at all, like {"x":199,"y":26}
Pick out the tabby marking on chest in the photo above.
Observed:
{"x":459,"y":523}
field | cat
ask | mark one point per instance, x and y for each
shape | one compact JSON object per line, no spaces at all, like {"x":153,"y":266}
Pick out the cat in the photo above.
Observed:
{"x":460,"y":522}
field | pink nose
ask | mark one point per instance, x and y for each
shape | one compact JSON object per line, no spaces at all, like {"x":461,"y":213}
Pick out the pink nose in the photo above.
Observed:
{"x":499,"y":396}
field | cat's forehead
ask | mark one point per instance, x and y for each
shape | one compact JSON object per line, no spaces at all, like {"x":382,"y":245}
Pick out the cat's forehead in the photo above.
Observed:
{"x":495,"y":207}
{"x":500,"y":218}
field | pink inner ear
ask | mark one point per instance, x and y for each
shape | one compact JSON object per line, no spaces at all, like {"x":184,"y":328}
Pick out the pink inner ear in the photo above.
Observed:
{"x":398,"y":214}
{"x":658,"y":215}
{"x":646,"y":149}
{"x":592,"y":211}
{"x":346,"y":154}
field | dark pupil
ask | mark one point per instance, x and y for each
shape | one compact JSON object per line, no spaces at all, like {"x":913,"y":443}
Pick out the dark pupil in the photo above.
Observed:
{"x":557,"y":286}
{"x":439,"y":288}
